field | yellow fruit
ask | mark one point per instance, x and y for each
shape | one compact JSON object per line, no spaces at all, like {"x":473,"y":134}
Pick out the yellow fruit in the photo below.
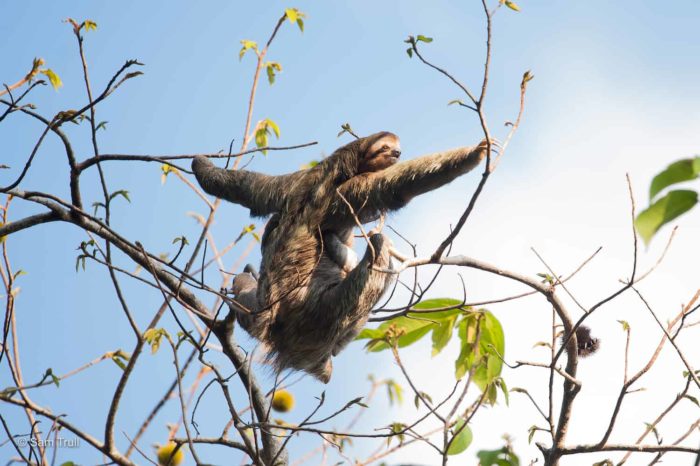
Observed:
{"x":283,"y":401}
{"x":166,"y":456}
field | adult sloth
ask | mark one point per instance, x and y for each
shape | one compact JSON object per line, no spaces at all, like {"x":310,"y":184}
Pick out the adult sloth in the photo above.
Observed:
{"x":311,"y":300}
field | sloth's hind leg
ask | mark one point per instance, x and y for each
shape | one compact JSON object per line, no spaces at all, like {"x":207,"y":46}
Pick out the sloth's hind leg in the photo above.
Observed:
{"x":339,"y":252}
{"x":354,"y":297}
{"x":245,"y":288}
{"x":322,"y":371}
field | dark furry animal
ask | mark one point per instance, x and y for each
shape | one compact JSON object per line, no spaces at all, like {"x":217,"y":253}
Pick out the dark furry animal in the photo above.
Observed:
{"x":587,"y":344}
{"x":311,"y":300}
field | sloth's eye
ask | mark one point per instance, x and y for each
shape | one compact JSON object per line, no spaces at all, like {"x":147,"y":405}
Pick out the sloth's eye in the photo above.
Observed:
{"x":385,"y":147}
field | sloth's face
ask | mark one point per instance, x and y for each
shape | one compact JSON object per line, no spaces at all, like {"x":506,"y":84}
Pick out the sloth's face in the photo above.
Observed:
{"x":381,"y":154}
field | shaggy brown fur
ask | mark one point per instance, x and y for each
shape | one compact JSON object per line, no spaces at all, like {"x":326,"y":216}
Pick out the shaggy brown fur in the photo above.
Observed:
{"x":310,"y":302}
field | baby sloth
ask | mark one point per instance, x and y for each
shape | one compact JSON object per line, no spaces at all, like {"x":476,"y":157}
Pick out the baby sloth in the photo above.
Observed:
{"x":313,"y":296}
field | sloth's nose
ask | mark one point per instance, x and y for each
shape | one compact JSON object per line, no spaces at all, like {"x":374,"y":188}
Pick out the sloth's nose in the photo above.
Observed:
{"x":396,"y":153}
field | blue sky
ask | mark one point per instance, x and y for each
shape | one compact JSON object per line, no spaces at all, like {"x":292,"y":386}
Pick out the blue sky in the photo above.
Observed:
{"x":615,"y":91}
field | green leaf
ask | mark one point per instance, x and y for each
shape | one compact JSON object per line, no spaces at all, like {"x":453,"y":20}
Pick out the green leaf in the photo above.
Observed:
{"x":653,"y":429}
{"x":467,"y":334}
{"x":311,"y":164}
{"x":9,"y":391}
{"x":414,"y":331}
{"x":166,"y":169}
{"x":272,"y":69}
{"x":53,"y":78}
{"x":355,"y":401}
{"x":425,"y":39}
{"x":395,"y":392}
{"x":425,"y":397}
{"x":409,"y":51}
{"x":133,"y":74}
{"x":546,"y":278}
{"x":672,"y":205}
{"x":261,"y":138}
{"x":295,"y":16}
{"x":49,"y":374}
{"x":491,"y":394}
{"x":263,"y":130}
{"x":414,"y":325}
{"x":439,"y":303}
{"x":181,"y":239}
{"x":292,"y":14}
{"x":512,"y":5}
{"x":247,"y":45}
{"x":89,"y":25}
{"x":153,"y":337}
{"x":491,"y":345}
{"x":66,"y":115}
{"x":625,"y":325}
{"x":120,"y":359}
{"x":500,"y":383}
{"x":455,"y":101}
{"x":501,"y":457}
{"x":273,"y":125}
{"x":80,"y":260}
{"x":346,"y":128}
{"x":442,"y":334}
{"x":531,"y":433}
{"x":122,"y":192}
{"x":101,"y":125}
{"x":96,"y":206}
{"x":36,"y":63}
{"x":677,"y":172}
{"x":398,"y":429}
{"x":462,"y":440}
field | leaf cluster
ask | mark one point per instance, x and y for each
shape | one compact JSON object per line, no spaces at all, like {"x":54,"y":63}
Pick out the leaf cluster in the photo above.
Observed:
{"x":674,"y":203}
{"x":482,"y":342}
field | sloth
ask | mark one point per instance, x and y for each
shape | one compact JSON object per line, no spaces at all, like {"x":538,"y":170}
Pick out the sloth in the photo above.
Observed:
{"x":313,"y":295}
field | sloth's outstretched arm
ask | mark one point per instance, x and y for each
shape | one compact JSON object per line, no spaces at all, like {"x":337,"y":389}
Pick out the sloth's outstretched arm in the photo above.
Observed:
{"x":262,"y":194}
{"x":393,"y":187}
